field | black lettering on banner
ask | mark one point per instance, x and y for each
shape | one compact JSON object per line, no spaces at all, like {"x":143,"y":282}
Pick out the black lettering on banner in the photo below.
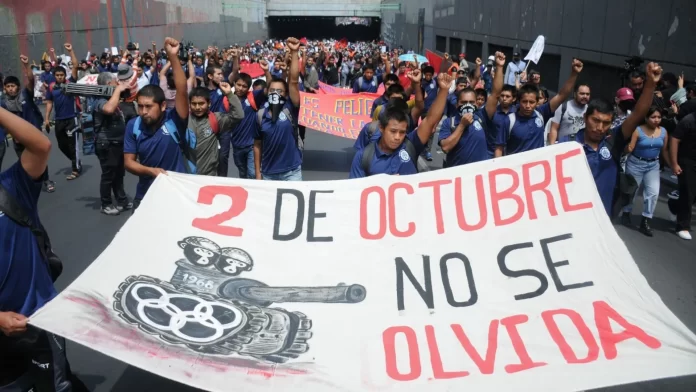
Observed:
{"x":544,"y":283}
{"x":312,"y":215}
{"x":553,"y":265}
{"x":473,"y":298}
{"x":299,"y":219}
{"x":425,"y":293}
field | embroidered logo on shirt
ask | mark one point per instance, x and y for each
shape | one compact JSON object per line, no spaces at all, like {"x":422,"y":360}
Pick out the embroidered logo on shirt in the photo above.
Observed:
{"x":477,"y":126}
{"x":164,"y":131}
{"x":403,"y":154}
{"x":282,"y":117}
{"x":604,"y":153}
{"x":207,"y":132}
{"x":539,"y":123}
{"x":246,"y":102}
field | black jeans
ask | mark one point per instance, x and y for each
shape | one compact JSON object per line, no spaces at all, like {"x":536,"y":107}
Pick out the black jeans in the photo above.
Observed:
{"x":110,"y":154}
{"x":35,"y":360}
{"x":66,"y":135}
{"x":687,"y":195}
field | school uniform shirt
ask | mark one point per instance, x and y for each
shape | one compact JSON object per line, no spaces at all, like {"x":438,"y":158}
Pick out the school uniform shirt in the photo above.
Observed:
{"x":603,"y":162}
{"x":25,"y":281}
{"x":280,"y":153}
{"x":216,"y":100}
{"x":452,"y":100}
{"x":472,"y":146}
{"x":63,"y":105}
{"x":398,"y":162}
{"x":367,"y":86}
{"x":528,"y":132}
{"x":431,"y":90}
{"x":156,"y":148}
{"x":243,"y":133}
{"x":499,"y":122}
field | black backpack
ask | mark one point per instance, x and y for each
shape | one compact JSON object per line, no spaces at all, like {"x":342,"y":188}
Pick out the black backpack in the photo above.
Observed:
{"x":14,"y":211}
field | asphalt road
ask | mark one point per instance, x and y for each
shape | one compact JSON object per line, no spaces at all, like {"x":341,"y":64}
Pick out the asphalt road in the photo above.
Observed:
{"x":79,"y":233}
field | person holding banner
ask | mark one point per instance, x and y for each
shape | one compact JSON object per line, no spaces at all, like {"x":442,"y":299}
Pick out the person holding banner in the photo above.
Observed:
{"x":465,"y":136}
{"x":604,"y":145}
{"x":277,"y":154}
{"x":397,"y":151}
{"x":152,"y":141}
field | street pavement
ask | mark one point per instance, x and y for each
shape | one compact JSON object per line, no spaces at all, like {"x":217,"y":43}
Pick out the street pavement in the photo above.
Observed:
{"x":79,"y":233}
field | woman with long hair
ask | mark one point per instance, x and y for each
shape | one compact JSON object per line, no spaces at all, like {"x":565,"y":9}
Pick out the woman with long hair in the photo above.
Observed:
{"x":647,"y":143}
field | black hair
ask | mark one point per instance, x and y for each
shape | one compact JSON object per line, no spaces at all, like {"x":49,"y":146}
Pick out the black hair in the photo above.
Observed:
{"x":142,"y":65}
{"x":369,"y":66}
{"x":396,"y":103}
{"x":244,"y":78}
{"x":152,"y":91}
{"x":11,"y":80}
{"x":466,"y":90}
{"x":392,"y":113}
{"x":510,"y":88}
{"x":429,"y":69}
{"x":636,"y":75}
{"x":59,"y":69}
{"x":670,"y":78}
{"x":462,"y":80}
{"x":481,"y":91}
{"x":652,"y":110}
{"x":391,"y":78}
{"x":210,"y":70}
{"x":581,"y":84}
{"x":395,"y":89}
{"x":528,"y":89}
{"x":200,"y":92}
{"x":259,"y":82}
{"x":279,"y":80}
{"x":544,"y":91}
{"x":599,"y":105}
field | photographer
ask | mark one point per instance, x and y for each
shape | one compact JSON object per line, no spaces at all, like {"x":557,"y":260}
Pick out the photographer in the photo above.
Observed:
{"x":110,"y":128}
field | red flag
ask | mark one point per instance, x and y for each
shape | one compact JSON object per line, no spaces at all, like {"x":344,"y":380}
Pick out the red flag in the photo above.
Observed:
{"x":254,"y":69}
{"x":434,"y":59}
{"x":303,"y":41}
{"x":342,"y":44}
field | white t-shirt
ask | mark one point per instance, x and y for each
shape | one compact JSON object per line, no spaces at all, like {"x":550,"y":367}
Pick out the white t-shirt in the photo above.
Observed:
{"x":573,"y":120}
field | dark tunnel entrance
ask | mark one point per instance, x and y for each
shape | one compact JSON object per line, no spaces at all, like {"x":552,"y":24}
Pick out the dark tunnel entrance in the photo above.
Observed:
{"x":319,"y":27}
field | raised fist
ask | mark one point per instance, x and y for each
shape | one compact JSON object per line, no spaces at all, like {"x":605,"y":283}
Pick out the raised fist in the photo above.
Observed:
{"x":171,"y":46}
{"x":444,"y":81}
{"x":577,"y":66}
{"x":653,"y":71}
{"x":293,"y":44}
{"x":68,"y":47}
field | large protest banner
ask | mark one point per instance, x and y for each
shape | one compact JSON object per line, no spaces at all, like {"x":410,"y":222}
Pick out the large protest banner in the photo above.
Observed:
{"x":338,"y":115}
{"x":504,"y":275}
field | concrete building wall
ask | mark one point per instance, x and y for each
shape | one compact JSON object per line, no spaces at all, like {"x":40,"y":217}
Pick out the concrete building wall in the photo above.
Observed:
{"x":323,"y":8}
{"x":33,"y":26}
{"x":603,"y":33}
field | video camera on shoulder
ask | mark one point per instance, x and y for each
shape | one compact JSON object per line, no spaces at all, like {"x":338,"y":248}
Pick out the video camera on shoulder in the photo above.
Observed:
{"x":89,"y":90}
{"x":184,"y":50}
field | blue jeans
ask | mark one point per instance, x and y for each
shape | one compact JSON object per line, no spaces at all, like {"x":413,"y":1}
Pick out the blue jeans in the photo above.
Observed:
{"x":244,"y":160}
{"x":224,"y":154}
{"x":648,"y":174}
{"x":292,"y":175}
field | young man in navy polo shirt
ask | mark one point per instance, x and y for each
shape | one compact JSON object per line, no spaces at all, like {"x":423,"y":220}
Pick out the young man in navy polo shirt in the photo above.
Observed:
{"x":277,"y":154}
{"x":369,"y":82}
{"x":154,"y":147}
{"x":464,"y":137}
{"x":390,"y":154}
{"x":26,"y":284}
{"x":66,"y":113}
{"x":603,"y":146}
{"x":524,"y":130}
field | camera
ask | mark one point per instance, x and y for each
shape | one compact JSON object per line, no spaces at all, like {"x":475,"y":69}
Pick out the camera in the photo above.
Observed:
{"x":87,"y":90}
{"x":184,"y":50}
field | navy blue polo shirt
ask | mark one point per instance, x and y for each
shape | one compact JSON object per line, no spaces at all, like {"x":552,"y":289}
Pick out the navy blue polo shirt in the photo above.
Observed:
{"x":431,"y":90}
{"x":603,"y":162}
{"x":472,"y":146}
{"x":499,"y":122}
{"x":155,"y":148}
{"x":527,"y":133}
{"x":63,"y":105}
{"x":25,"y":283}
{"x":280,"y":153}
{"x":367,"y":86}
{"x":364,"y":139}
{"x":216,"y":101}
{"x":398,"y":162}
{"x":243,"y":134}
{"x":451,"y":109}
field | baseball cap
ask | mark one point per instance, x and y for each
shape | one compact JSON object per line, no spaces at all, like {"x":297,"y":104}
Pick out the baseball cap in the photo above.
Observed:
{"x":625,"y":94}
{"x":516,"y":53}
{"x":491,"y":59}
{"x":125,"y":71}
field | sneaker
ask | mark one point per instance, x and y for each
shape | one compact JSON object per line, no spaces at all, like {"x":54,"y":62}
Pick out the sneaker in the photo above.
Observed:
{"x":674,"y":195}
{"x":110,"y":210}
{"x":684,"y":234}
{"x":125,"y":207}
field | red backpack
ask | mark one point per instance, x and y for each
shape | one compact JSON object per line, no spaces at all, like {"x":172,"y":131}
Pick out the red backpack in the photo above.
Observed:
{"x":212,"y":119}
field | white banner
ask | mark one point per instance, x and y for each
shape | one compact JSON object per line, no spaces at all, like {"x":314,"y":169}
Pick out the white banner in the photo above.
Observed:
{"x":536,"y":50}
{"x":500,"y":275}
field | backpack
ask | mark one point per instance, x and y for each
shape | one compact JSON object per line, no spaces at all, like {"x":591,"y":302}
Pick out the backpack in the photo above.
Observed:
{"x":361,"y":80}
{"x":295,"y":129}
{"x":14,"y":211}
{"x":370,"y":150}
{"x":513,"y":118}
{"x":186,"y":146}
{"x":372,"y":128}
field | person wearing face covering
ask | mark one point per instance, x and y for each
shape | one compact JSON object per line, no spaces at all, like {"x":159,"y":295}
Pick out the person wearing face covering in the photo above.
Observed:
{"x":464,"y":136}
{"x":277,"y":145}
